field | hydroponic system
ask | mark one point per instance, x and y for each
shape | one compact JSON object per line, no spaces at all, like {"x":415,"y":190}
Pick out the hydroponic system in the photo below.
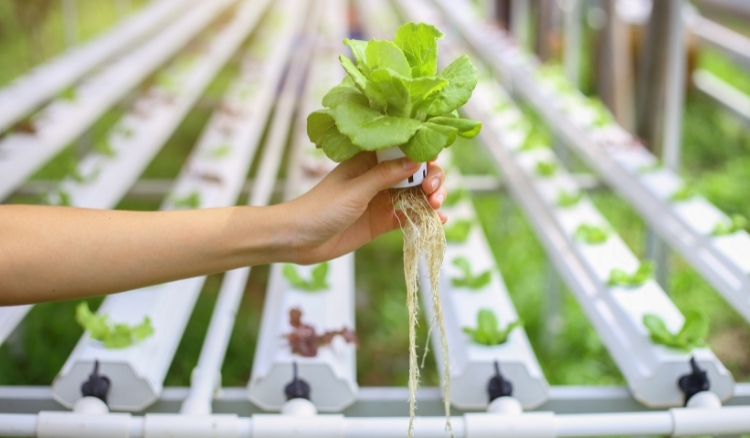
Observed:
{"x":303,"y":379}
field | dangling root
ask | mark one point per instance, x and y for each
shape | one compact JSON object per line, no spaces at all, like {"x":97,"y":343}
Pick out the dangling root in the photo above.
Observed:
{"x":423,"y":235}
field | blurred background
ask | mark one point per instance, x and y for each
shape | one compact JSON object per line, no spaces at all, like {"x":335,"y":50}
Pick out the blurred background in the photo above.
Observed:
{"x":622,"y":57}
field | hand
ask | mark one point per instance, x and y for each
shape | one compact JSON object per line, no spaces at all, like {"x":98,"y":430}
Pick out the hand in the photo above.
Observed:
{"x":350,"y":206}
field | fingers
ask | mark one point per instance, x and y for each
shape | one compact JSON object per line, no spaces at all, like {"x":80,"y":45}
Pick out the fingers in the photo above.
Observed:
{"x":383,"y":176}
{"x":435,"y":178}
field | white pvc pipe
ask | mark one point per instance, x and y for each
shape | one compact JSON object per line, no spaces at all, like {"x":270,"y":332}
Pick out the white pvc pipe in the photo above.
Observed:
{"x":732,"y":420}
{"x":572,"y":49}
{"x":675,"y":90}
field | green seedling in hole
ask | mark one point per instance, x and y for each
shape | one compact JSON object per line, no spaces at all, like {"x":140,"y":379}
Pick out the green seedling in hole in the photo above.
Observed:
{"x":221,"y":151}
{"x":568,"y":199}
{"x":651,"y":168}
{"x":63,"y":198}
{"x":691,"y":335}
{"x":535,"y":140}
{"x":546,"y":168}
{"x":469,"y":279}
{"x":603,"y":115}
{"x":458,"y":232}
{"x":488,"y":330}
{"x":104,"y":147}
{"x":69,"y":94}
{"x":684,"y":193}
{"x":645,"y":271}
{"x":503,"y":106}
{"x":592,"y":234}
{"x":454,"y":197}
{"x":75,"y":173}
{"x":316,"y":282}
{"x":193,"y":200}
{"x":125,"y":131}
{"x":112,"y":336}
{"x":737,"y":223}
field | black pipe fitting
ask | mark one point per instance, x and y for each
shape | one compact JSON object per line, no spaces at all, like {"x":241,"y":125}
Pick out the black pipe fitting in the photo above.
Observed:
{"x":499,"y":387}
{"x":695,"y":382}
{"x":297,"y":388}
{"x":97,"y":385}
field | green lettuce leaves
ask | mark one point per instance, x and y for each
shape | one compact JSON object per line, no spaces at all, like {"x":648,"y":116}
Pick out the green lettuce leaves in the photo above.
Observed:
{"x":112,"y":336}
{"x":393,"y":95}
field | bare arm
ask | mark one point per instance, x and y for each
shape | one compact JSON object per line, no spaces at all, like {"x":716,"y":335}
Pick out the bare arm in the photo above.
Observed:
{"x":57,"y":253}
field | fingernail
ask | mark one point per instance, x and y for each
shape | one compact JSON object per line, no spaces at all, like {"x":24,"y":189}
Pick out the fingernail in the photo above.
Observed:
{"x":408,"y":164}
{"x":435,"y":183}
{"x":440,"y":198}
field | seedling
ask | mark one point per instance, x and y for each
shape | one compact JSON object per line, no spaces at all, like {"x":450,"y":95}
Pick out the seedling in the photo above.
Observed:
{"x":316,"y":282}
{"x":736,"y":223}
{"x":567,"y":199}
{"x":619,"y":277}
{"x":191,"y":201}
{"x":221,"y":151}
{"x":691,"y":335}
{"x":488,"y":330}
{"x":304,"y":340}
{"x":546,"y":168}
{"x":684,"y":193}
{"x":592,"y":234}
{"x":63,"y":198}
{"x":651,"y":168}
{"x":125,"y":131}
{"x":535,"y":140}
{"x":112,"y":336}
{"x":104,"y":147}
{"x":69,"y":94}
{"x":603,"y":115}
{"x":469,"y":279}
{"x":458,"y":232}
{"x":75,"y":173}
{"x":393,"y":96}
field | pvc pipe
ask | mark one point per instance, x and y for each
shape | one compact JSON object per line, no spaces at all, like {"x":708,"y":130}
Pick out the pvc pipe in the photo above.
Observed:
{"x":299,"y":406}
{"x":704,"y":400}
{"x":675,"y":92}
{"x":90,"y":405}
{"x":675,"y":422}
{"x":395,"y":153}
{"x":505,"y":406}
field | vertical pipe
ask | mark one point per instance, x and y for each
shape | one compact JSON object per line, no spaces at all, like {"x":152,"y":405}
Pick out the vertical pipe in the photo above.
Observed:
{"x":572,"y":48}
{"x":675,"y":88}
{"x":70,"y":22}
{"x":552,"y":314}
{"x":520,"y":22}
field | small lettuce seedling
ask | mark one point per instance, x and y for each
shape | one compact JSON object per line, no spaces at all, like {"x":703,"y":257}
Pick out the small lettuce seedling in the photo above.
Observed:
{"x":691,"y":335}
{"x":469,"y":279}
{"x":546,"y":168}
{"x":684,"y":193}
{"x":488,"y":330}
{"x":737,"y":223}
{"x":603,"y":115}
{"x":536,"y":140}
{"x":112,"y":336}
{"x":394,"y":96}
{"x":221,"y":151}
{"x":592,"y":234}
{"x":458,"y":232}
{"x":455,"y":196}
{"x":650,"y":168}
{"x":69,"y":94}
{"x":191,"y":201}
{"x":619,"y":277}
{"x":104,"y":147}
{"x":567,"y":199}
{"x":316,"y":282}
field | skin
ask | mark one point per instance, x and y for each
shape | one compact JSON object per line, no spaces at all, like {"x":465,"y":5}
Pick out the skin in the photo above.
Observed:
{"x":60,"y":253}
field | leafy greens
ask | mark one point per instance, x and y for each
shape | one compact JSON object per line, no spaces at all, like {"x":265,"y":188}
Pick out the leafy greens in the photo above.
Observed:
{"x":488,"y":330}
{"x":691,"y":335}
{"x":469,"y":279}
{"x":394,"y":96}
{"x":619,"y":277}
{"x":317,"y":279}
{"x":112,"y":336}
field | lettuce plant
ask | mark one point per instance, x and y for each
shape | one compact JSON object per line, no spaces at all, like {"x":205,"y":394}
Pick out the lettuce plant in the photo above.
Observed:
{"x":546,"y":168}
{"x":394,"y":96}
{"x":488,"y":330}
{"x":316,"y":282}
{"x":104,"y":147}
{"x":736,"y":223}
{"x":193,"y":200}
{"x":458,"y":232}
{"x":567,"y":199}
{"x":691,"y":335}
{"x":454,"y":197}
{"x":650,"y":168}
{"x":619,"y":277}
{"x":592,"y":234}
{"x":469,"y":279}
{"x":112,"y":336}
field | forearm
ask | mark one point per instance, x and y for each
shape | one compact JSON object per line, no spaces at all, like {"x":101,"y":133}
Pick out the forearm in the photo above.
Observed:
{"x":53,"y":253}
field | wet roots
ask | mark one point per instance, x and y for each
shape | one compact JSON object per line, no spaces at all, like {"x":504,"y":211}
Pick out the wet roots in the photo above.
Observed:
{"x":423,"y":236}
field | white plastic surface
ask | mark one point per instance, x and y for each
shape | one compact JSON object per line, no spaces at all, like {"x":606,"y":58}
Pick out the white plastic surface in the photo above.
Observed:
{"x":395,"y":153}
{"x":137,"y":372}
{"x":10,"y":317}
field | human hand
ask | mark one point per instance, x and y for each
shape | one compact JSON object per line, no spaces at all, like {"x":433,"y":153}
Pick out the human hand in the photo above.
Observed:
{"x":351,"y":206}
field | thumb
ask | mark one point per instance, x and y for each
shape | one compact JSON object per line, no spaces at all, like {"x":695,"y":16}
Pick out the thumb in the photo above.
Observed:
{"x":383,"y":176}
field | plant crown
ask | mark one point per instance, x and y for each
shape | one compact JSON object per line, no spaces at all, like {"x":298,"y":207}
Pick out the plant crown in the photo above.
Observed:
{"x":112,"y":336}
{"x":458,"y":232}
{"x":592,"y":234}
{"x":736,"y":223}
{"x":691,"y":335}
{"x":488,"y":330}
{"x":393,"y":95}
{"x":567,"y":199}
{"x":469,"y":279}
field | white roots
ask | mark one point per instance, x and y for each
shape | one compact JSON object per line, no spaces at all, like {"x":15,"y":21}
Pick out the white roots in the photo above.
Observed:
{"x":423,"y":236}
